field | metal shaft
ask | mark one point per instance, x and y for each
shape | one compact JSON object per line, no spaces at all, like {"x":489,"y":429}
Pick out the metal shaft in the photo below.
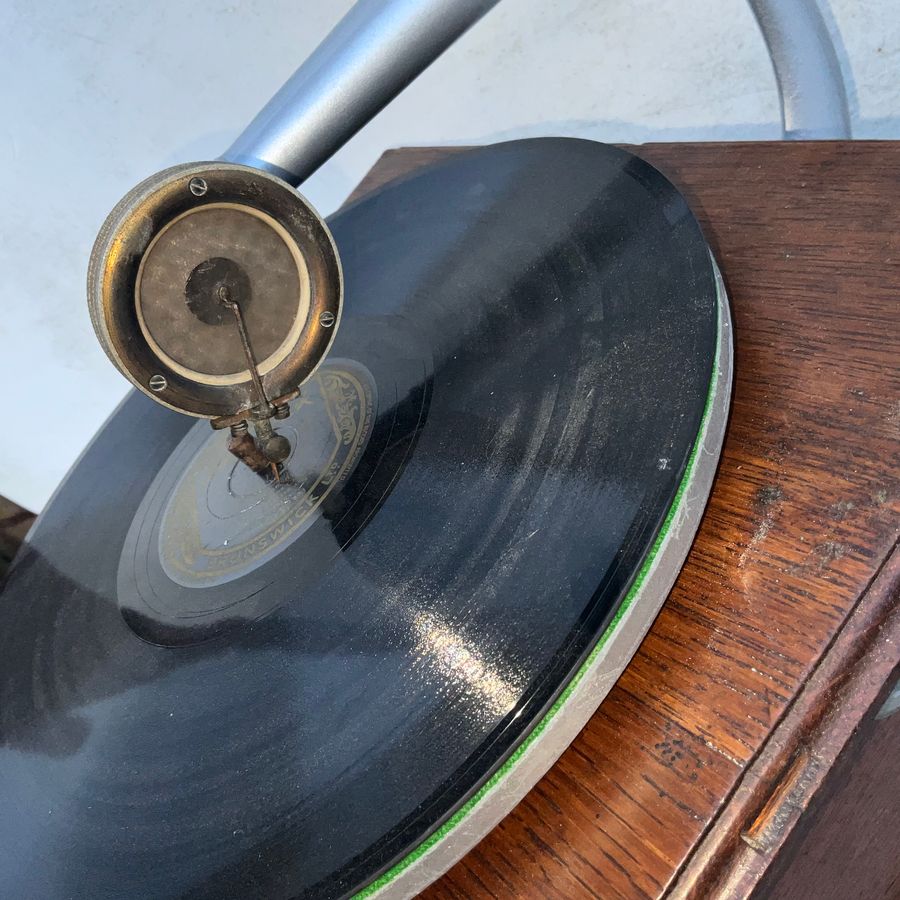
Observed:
{"x":235,"y":308}
{"x":810,"y":82}
{"x":372,"y":54}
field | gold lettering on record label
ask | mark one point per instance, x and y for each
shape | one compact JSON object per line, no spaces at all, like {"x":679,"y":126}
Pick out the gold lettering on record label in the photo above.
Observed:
{"x":223,"y":521}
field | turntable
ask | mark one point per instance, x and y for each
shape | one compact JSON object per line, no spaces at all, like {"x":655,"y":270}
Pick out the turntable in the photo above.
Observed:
{"x":395,"y":502}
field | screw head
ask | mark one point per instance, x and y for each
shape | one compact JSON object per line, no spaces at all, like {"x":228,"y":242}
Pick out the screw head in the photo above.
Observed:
{"x":198,"y":187}
{"x":277,"y":448}
{"x":326,"y":320}
{"x":158,"y":383}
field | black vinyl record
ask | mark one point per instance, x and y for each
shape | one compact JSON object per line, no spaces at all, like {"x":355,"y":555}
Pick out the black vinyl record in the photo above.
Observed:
{"x":212,"y":686}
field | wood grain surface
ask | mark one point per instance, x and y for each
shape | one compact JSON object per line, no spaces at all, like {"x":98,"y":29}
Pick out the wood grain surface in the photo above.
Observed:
{"x":655,"y":794}
{"x":852,"y":841}
{"x":14,"y":523}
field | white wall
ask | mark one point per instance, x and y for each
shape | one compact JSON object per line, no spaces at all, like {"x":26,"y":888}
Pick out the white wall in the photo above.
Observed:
{"x":96,"y":96}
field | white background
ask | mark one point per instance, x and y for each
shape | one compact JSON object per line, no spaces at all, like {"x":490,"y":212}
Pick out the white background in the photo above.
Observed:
{"x":96,"y":96}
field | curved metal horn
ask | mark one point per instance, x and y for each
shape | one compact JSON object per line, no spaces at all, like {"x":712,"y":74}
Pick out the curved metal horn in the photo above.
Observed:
{"x":380,"y":46}
{"x":810,"y":84}
{"x":374,"y":52}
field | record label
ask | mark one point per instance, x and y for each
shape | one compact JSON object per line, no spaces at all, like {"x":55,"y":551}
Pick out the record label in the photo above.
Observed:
{"x":223,"y":520}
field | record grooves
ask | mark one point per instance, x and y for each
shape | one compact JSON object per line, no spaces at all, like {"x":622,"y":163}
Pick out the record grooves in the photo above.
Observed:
{"x":516,"y":390}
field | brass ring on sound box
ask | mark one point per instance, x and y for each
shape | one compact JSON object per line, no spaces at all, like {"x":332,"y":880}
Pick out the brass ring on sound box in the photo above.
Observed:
{"x":193,"y":230}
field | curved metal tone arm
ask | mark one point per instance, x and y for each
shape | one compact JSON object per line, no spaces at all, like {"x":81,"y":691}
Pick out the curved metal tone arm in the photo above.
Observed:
{"x":372,"y":54}
{"x":380,"y":46}
{"x":810,"y":84}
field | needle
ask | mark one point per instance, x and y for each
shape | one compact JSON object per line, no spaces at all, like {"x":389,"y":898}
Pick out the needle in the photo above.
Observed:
{"x":275,"y":447}
{"x":224,"y":296}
